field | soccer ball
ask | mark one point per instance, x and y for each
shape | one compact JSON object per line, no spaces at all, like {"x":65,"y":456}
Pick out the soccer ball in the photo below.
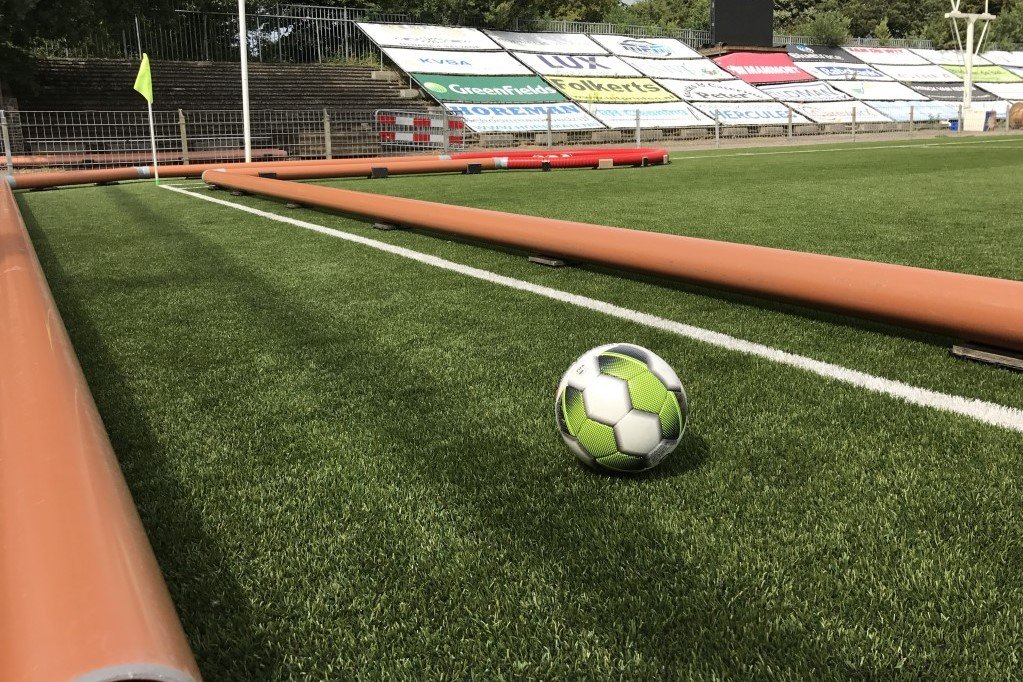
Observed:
{"x":621,"y":407}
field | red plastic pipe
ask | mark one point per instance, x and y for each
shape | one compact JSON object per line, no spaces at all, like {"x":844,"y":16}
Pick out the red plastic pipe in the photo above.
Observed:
{"x":81,"y":595}
{"x":969,"y":307}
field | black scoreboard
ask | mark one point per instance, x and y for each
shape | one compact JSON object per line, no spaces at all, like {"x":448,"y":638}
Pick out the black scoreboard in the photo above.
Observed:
{"x":742,"y":22}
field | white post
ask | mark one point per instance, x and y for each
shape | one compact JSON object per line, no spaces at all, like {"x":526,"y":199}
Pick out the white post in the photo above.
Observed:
{"x":638,"y":135}
{"x":548,"y":128}
{"x":854,"y":123}
{"x":968,"y":79}
{"x":717,"y":130}
{"x":961,"y":121}
{"x":243,"y":48}
{"x":1008,"y":109}
{"x":790,"y":122}
{"x":911,"y":115}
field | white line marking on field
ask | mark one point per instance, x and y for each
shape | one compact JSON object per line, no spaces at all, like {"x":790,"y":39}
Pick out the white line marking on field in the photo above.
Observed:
{"x":989,"y":413}
{"x":881,"y":146}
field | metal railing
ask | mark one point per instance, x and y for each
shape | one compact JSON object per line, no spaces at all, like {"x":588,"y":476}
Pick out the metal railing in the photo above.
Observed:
{"x":93,"y":139}
{"x":690,"y":36}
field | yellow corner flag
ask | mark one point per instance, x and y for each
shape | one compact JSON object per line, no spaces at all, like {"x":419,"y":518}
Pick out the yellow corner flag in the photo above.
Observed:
{"x":144,"y":81}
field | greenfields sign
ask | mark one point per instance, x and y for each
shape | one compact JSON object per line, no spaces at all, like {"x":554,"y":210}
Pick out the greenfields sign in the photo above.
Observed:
{"x":488,"y":89}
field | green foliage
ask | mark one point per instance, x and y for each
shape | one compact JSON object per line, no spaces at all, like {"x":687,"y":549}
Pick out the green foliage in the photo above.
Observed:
{"x":827,"y":28}
{"x":882,"y":32}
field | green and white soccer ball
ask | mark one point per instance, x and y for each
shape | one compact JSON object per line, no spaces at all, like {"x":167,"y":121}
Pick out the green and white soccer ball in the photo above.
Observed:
{"x":620,"y":407}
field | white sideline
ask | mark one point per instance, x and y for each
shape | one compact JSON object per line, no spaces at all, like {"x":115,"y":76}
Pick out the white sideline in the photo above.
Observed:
{"x":986,"y":412}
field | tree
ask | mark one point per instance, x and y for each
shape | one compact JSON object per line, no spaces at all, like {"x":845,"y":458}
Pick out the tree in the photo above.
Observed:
{"x":827,"y":28}
{"x":882,"y":32}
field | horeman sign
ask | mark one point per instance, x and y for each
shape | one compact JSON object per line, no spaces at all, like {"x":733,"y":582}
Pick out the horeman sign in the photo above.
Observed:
{"x":488,"y":89}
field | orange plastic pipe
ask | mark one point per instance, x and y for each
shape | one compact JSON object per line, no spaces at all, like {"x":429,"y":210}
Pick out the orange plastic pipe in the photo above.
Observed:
{"x":81,"y":595}
{"x":969,"y":307}
{"x":352,"y":170}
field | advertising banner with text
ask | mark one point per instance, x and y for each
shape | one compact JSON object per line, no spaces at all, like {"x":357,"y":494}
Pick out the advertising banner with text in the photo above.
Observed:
{"x":880,"y":90}
{"x":928,"y":73}
{"x":762,"y":67}
{"x":653,"y":48}
{"x":804,"y":92}
{"x":919,"y":111}
{"x":470,"y":63}
{"x":843,"y":72}
{"x":682,"y":69}
{"x":576,"y":65}
{"x":488,"y":89}
{"x":945,"y":92}
{"x":987,"y":74}
{"x":612,"y":90}
{"x":821,"y":54}
{"x":885,"y":55}
{"x":667,"y":115}
{"x":1012,"y":92}
{"x":557,"y":43}
{"x":500,"y":118}
{"x":715,"y":91}
{"x":428,"y":37}
{"x":840,"y":112}
{"x":949,"y":57}
{"x":1005,"y":58}
{"x":749,"y":113}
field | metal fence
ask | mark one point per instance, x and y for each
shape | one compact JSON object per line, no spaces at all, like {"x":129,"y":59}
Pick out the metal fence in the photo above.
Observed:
{"x":289,"y":33}
{"x":92,"y":139}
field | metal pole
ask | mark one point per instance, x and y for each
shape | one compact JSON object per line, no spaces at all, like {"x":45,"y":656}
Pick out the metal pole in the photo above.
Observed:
{"x":639,"y":137}
{"x":1008,"y":109}
{"x":854,"y":123}
{"x":7,"y":141}
{"x":717,"y":130}
{"x":243,"y":49}
{"x":911,"y":113}
{"x":962,"y":123}
{"x":328,"y":150}
{"x":183,"y":134}
{"x":549,"y":136}
{"x":447,"y":132}
{"x":790,"y":122}
{"x":968,"y":76}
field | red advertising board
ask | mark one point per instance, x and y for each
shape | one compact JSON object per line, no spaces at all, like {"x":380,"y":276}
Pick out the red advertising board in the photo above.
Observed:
{"x":763,"y":67}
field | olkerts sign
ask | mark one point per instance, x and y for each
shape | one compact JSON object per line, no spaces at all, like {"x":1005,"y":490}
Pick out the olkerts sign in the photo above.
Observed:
{"x":928,"y":73}
{"x":949,"y":57}
{"x":612,"y":90}
{"x":489,"y":118}
{"x":840,"y":112}
{"x":715,"y":91}
{"x":488,"y":89}
{"x":880,"y":90}
{"x":576,"y":65}
{"x":749,"y":113}
{"x":681,"y":69}
{"x":667,"y":115}
{"x":447,"y":62}
{"x":885,"y":55}
{"x":762,"y":67}
{"x":557,"y":43}
{"x":987,"y":74}
{"x":1012,"y":92}
{"x":820,"y":54}
{"x":843,"y":72}
{"x":804,"y":92}
{"x":651,"y":48}
{"x":944,"y":92}
{"x":428,"y":37}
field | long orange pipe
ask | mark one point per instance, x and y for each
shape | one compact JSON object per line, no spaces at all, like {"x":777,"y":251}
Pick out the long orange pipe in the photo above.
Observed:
{"x":81,"y":595}
{"x":969,"y":307}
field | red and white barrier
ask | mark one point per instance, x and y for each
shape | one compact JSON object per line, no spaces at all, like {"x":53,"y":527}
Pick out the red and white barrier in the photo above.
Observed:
{"x":420,"y":131}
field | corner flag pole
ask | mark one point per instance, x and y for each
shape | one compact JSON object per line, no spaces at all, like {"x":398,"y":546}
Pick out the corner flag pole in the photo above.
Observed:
{"x":144,"y":86}
{"x":243,"y":48}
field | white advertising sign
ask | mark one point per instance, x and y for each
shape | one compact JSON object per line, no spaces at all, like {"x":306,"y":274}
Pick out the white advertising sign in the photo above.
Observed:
{"x":558,"y":43}
{"x":682,"y":69}
{"x":920,"y":111}
{"x":885,"y":55}
{"x":840,"y":112}
{"x":428,"y":37}
{"x":576,"y":65}
{"x":456,"y":63}
{"x":749,"y":113}
{"x":878,"y":90}
{"x":804,"y":92}
{"x":950,"y":57}
{"x":668,"y":115}
{"x":1012,"y":92}
{"x":518,"y":118}
{"x":1016,"y":70}
{"x":651,"y":48}
{"x":715,"y":91}
{"x":1003,"y":58}
{"x":929,"y":73}
{"x":826,"y":71}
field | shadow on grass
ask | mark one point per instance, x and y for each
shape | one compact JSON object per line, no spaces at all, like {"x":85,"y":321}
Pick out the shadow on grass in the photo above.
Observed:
{"x":198,"y":574}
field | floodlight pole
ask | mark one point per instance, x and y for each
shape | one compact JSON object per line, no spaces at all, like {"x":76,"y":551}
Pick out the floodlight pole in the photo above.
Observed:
{"x":243,"y":49}
{"x":971,"y":19}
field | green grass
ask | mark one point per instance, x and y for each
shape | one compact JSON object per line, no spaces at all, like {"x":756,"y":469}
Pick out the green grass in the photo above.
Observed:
{"x":347,"y":463}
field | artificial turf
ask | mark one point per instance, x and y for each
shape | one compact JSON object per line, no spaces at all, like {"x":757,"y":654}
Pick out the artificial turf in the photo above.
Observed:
{"x":347,"y":462}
